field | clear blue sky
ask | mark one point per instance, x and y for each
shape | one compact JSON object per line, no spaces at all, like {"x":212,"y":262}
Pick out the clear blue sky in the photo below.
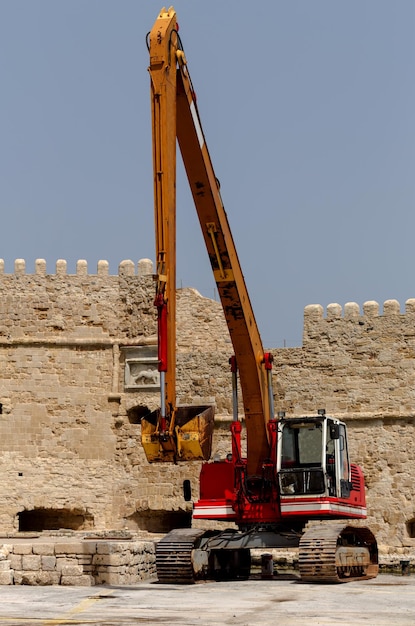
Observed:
{"x":309,"y":113}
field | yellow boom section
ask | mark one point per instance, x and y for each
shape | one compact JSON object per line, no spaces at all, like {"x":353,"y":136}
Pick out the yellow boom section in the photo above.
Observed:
{"x":175,"y":114}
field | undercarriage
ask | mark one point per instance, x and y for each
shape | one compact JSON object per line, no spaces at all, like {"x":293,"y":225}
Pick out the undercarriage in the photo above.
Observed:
{"x":328,"y":553}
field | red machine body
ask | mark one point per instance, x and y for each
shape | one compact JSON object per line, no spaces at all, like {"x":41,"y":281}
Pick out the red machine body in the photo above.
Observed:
{"x":310,"y":477}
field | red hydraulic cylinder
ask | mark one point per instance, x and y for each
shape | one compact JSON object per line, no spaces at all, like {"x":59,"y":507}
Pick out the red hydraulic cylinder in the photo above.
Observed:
{"x":161,"y":305}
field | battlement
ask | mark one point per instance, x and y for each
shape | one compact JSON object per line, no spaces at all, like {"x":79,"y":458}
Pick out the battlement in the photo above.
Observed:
{"x":371,"y":308}
{"x":344,"y":325}
{"x":76,"y":307}
{"x":125,"y":268}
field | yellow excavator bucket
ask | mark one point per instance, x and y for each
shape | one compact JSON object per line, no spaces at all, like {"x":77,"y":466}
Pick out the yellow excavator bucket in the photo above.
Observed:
{"x":189,"y":438}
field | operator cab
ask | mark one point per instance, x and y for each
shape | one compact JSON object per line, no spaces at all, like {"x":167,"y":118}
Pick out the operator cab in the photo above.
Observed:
{"x":313,"y":458}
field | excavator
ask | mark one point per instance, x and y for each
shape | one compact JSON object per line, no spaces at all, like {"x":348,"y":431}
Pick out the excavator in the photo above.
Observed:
{"x":295,"y":485}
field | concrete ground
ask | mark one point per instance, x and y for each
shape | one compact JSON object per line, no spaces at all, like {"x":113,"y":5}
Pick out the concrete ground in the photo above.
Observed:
{"x":388,"y":599}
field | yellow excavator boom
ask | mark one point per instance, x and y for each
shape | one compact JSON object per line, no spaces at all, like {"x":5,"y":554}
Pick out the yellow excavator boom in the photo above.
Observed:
{"x":175,"y":115}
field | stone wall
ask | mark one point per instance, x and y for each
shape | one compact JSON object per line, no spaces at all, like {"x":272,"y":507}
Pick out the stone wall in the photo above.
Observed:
{"x":69,"y":447}
{"x":81,"y":561}
{"x":360,"y":367}
{"x":69,"y":413}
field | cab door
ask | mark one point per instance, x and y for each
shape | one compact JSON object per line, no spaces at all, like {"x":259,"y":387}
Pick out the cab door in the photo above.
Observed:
{"x":337,"y":460}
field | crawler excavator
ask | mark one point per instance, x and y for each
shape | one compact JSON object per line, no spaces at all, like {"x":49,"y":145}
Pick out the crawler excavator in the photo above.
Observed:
{"x":295,"y":485}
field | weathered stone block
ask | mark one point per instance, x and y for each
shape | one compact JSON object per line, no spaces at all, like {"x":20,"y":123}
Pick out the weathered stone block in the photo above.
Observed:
{"x":4,"y":565}
{"x":36,"y":578}
{"x":6,"y":577}
{"x":46,"y":577}
{"x":110,"y":578}
{"x":71,"y":570}
{"x":88,"y":547}
{"x":30,"y":562}
{"x":85,"y":559}
{"x":78,"y":581}
{"x":112,"y":559}
{"x":15,"y":561}
{"x":110,"y":547}
{"x":43,"y":548}
{"x":22,"y":548}
{"x":75,"y":547}
{"x":48,"y":563}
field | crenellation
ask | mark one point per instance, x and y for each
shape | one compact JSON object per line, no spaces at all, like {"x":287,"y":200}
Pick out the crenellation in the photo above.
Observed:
{"x":334,"y":311}
{"x":145,"y":267}
{"x":410,"y":306}
{"x":126,"y":268}
{"x":356,"y":331}
{"x":391,"y":307}
{"x":317,"y":324}
{"x":40,"y":267}
{"x":103,"y":268}
{"x":313,"y":312}
{"x":351,"y":311}
{"x":20,"y":267}
{"x":82,"y":267}
{"x":61,"y":267}
{"x":371,"y":308}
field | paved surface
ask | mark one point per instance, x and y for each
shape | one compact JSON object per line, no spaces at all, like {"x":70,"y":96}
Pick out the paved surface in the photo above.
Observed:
{"x":387,"y":600}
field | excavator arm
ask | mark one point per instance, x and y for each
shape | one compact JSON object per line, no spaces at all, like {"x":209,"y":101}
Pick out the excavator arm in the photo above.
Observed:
{"x":175,"y":115}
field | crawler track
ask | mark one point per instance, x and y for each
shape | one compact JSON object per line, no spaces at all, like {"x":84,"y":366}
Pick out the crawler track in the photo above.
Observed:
{"x":174,"y":553}
{"x":335,"y":553}
{"x":184,"y":557}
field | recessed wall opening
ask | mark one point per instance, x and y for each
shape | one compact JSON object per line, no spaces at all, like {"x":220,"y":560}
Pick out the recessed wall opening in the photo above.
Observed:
{"x":54,"y":519}
{"x":136,"y":413}
{"x":410,"y":527}
{"x":159,"y":521}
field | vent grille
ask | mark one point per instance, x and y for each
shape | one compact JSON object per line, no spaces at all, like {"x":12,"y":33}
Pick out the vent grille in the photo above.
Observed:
{"x":355,"y":478}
